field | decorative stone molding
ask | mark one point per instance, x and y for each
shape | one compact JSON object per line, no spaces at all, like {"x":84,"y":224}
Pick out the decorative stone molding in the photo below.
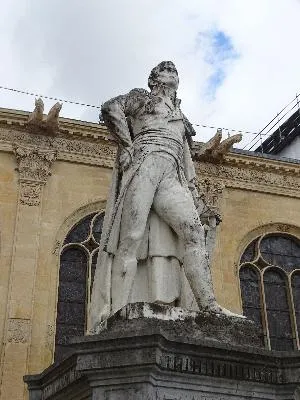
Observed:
{"x":34,"y":166}
{"x":79,"y":151}
{"x":102,"y":154}
{"x":18,"y":330}
{"x":254,"y":174}
{"x":90,"y":143}
{"x":210,"y":190}
{"x":30,"y":193}
{"x":62,"y":382}
{"x":217,"y":368}
{"x":113,"y":394}
{"x":260,"y":230}
{"x":283,"y":228}
{"x":67,"y":127}
{"x":73,"y":218}
{"x":33,"y":163}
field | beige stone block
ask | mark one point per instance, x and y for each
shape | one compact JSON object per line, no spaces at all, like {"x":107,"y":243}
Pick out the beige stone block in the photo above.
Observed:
{"x":40,"y":324}
{"x":14,"y":368}
{"x":228,"y":277}
{"x":21,"y":296}
{"x":42,"y":285}
{"x":36,"y":363}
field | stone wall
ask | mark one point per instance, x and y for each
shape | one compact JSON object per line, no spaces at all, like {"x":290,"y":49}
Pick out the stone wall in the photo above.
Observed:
{"x":48,"y":183}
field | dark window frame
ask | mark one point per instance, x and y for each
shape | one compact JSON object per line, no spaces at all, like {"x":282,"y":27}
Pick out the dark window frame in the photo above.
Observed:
{"x":76,"y":279}
{"x":278,"y":252}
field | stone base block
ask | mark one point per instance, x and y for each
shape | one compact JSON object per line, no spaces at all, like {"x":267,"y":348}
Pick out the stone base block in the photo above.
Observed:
{"x":134,"y":319}
{"x":166,"y":358}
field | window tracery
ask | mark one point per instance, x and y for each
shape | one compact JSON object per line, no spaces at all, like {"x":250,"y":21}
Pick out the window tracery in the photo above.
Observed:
{"x":270,"y":288}
{"x":78,"y":260}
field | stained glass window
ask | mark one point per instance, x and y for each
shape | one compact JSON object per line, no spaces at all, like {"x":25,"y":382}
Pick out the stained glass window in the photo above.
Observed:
{"x":295,"y":280}
{"x":77,"y":268}
{"x":251,"y":294}
{"x":268,"y":265}
{"x":278,"y":311}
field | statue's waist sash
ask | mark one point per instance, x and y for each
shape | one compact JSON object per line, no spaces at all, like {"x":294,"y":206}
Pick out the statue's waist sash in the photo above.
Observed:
{"x":158,"y":141}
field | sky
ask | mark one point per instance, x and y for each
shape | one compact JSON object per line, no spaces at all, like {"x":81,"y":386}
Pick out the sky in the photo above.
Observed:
{"x":238,"y":60}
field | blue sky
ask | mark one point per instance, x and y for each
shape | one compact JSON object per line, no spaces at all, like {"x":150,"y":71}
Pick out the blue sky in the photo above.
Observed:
{"x":219,"y":53}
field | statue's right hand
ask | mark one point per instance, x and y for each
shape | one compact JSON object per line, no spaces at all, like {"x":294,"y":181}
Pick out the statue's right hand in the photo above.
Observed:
{"x":126,"y":157}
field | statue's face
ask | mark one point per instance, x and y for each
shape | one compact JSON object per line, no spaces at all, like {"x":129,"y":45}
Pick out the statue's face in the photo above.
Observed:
{"x":168,"y":75}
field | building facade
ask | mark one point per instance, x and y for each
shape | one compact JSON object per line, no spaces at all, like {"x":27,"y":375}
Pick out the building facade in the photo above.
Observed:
{"x":53,"y":192}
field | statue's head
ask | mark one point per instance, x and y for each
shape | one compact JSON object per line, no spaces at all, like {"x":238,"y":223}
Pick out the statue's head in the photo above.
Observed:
{"x":164,"y":73}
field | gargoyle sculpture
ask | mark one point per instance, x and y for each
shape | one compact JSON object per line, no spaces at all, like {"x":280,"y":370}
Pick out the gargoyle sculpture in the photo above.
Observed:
{"x":36,"y":117}
{"x":52,"y":118}
{"x":215,"y":149}
{"x":38,"y":125}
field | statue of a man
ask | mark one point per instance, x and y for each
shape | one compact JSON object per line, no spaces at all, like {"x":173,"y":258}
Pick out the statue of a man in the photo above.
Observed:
{"x":153,"y":244}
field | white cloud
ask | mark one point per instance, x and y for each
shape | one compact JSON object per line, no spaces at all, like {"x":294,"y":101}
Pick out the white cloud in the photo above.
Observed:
{"x":90,"y":51}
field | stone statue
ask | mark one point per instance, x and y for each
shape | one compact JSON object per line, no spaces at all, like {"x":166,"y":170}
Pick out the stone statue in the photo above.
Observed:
{"x":153,"y":244}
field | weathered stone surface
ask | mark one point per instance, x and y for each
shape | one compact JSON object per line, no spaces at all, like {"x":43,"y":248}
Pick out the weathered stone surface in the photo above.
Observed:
{"x":152,"y":224}
{"x":36,"y":123}
{"x":164,"y":360}
{"x":177,"y":323}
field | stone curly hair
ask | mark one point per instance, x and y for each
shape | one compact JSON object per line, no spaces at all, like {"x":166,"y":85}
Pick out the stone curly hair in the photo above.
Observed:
{"x":152,"y":80}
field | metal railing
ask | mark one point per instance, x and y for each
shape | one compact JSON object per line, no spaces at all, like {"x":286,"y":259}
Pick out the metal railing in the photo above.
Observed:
{"x":277,"y":129}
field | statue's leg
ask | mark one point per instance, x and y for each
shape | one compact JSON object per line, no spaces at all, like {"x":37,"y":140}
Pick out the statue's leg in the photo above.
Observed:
{"x":174,"y":204}
{"x":137,"y":203}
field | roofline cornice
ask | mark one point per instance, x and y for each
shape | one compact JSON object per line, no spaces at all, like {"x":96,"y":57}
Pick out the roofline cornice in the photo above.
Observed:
{"x":67,"y":127}
{"x":87,"y":142}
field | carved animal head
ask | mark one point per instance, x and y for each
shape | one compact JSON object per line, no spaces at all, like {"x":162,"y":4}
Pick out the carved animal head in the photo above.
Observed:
{"x":54,"y":111}
{"x":39,"y":105}
{"x":164,"y":73}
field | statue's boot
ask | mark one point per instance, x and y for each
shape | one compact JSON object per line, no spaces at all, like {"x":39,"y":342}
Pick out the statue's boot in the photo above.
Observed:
{"x":197,"y":271}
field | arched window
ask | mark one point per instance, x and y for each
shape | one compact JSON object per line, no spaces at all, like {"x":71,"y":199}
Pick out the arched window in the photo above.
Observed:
{"x":77,"y":267}
{"x":270,"y":288}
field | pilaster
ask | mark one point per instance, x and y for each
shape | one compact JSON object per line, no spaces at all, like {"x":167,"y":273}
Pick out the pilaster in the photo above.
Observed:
{"x":34,"y":167}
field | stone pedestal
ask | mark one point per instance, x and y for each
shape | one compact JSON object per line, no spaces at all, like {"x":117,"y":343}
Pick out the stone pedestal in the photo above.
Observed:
{"x":145,"y":353}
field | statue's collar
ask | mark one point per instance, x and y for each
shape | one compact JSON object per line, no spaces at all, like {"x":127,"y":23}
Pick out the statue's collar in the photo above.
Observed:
{"x":171,"y":106}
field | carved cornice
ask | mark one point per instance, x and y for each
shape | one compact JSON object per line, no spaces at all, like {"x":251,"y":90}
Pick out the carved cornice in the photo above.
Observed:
{"x":90,"y":143}
{"x":68,"y":127}
{"x":102,"y":154}
{"x":254,"y":173}
{"x":85,"y":150}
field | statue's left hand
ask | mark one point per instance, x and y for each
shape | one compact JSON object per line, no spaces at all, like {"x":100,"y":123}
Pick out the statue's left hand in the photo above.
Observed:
{"x":126,"y":157}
